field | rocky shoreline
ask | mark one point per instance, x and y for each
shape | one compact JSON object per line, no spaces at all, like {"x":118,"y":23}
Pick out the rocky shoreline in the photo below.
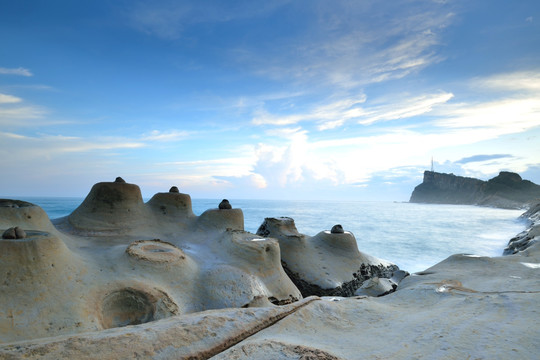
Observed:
{"x":100,"y":284}
{"x":528,"y":237}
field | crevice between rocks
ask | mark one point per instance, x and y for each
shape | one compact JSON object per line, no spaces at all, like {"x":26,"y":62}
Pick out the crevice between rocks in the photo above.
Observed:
{"x":228,"y":343}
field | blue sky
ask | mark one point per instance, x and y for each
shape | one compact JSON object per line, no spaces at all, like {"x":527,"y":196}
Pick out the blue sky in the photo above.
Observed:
{"x":266,"y":99}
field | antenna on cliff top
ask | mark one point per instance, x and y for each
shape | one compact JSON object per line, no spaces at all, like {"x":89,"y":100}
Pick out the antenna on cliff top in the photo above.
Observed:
{"x":432,"y":170}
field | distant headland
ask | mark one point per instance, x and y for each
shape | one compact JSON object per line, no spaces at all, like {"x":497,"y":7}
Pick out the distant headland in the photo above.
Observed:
{"x":507,"y":190}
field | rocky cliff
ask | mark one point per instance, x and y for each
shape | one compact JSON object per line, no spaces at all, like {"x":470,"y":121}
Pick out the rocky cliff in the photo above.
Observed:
{"x":507,"y":190}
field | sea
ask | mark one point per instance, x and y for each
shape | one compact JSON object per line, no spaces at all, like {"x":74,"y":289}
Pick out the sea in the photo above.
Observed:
{"x":412,"y":236}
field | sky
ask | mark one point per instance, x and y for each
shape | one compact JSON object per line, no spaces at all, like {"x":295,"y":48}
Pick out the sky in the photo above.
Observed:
{"x":308,"y":99}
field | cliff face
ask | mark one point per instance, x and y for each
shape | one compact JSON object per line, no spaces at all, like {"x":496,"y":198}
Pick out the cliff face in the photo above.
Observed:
{"x":507,"y":190}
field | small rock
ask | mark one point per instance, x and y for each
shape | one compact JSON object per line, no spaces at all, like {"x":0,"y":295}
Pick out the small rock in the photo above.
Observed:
{"x":225,"y":205}
{"x":376,"y":287}
{"x":20,"y":233}
{"x":14,"y":233}
{"x":399,"y":275}
{"x":9,"y":234}
{"x":174,"y":189}
{"x":337,"y":229}
{"x":119,"y":180}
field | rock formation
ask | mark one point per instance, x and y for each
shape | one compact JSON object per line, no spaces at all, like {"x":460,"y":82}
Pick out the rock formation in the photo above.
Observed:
{"x":327,"y":264}
{"x":507,"y":190}
{"x":530,"y":236}
{"x":117,"y":261}
{"x":124,"y":279}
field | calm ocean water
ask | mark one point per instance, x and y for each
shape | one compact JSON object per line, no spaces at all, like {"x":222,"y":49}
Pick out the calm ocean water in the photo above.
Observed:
{"x":413,"y":236}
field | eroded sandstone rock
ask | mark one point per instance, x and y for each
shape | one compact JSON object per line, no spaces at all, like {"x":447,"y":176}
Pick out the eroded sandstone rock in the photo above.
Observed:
{"x":118,"y":261}
{"x":327,"y":264}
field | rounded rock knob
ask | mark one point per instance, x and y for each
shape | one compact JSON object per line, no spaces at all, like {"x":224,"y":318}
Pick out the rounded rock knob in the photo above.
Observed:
{"x":337,"y":229}
{"x":119,"y":180}
{"x":225,"y":205}
{"x":174,"y":189}
{"x":14,"y":233}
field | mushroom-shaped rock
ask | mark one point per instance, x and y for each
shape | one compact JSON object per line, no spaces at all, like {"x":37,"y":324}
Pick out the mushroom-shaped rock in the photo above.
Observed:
{"x":222,"y":220}
{"x":110,"y":206}
{"x":173,"y":207}
{"x":337,"y":229}
{"x":40,"y":275}
{"x":174,"y":189}
{"x":225,"y":205}
{"x":23,"y":214}
{"x":327,"y":264}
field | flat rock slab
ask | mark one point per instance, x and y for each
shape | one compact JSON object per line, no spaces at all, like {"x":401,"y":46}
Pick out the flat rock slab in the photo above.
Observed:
{"x":466,"y":307}
{"x":195,"y":336}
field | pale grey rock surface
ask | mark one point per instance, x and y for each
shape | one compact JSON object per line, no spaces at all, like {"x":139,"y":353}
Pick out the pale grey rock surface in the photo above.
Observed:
{"x":465,"y":307}
{"x":120,"y":278}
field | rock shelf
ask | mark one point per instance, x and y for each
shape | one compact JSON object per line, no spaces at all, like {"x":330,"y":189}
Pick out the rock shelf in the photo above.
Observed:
{"x":120,"y":278}
{"x":117,"y":261}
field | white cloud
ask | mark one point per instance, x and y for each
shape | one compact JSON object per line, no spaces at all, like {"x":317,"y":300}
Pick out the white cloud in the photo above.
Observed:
{"x":351,"y":44}
{"x":18,"y":71}
{"x":328,"y":116}
{"x":405,"y":108}
{"x":451,"y":131}
{"x":337,"y":113}
{"x":515,"y":81}
{"x":165,"y":136}
{"x":19,"y":115}
{"x":500,"y":117}
{"x":9,"y":99}
{"x":45,"y":145}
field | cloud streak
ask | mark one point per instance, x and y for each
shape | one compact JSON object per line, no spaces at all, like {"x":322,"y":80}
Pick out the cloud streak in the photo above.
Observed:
{"x":20,"y":71}
{"x":342,"y":51}
{"x":480,"y":158}
{"x":165,"y":136}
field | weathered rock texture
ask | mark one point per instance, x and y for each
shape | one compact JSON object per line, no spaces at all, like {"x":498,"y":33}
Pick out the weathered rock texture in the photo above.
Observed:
{"x":195,"y":336}
{"x":530,"y":236}
{"x":163,"y":283}
{"x":118,"y":261}
{"x":327,"y":264}
{"x":507,"y":190}
{"x":465,"y":307}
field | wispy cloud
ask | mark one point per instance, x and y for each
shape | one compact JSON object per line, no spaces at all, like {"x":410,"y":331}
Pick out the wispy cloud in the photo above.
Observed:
{"x":480,"y":158}
{"x":515,"y":81}
{"x":336,"y":113}
{"x":52,"y":145}
{"x":354,"y":43}
{"x":15,"y":71}
{"x":165,"y":136}
{"x":9,"y":99}
{"x":440,"y":127}
{"x":405,"y":108}
{"x":169,"y":19}
{"x":329,"y":115}
{"x":14,"y":114}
